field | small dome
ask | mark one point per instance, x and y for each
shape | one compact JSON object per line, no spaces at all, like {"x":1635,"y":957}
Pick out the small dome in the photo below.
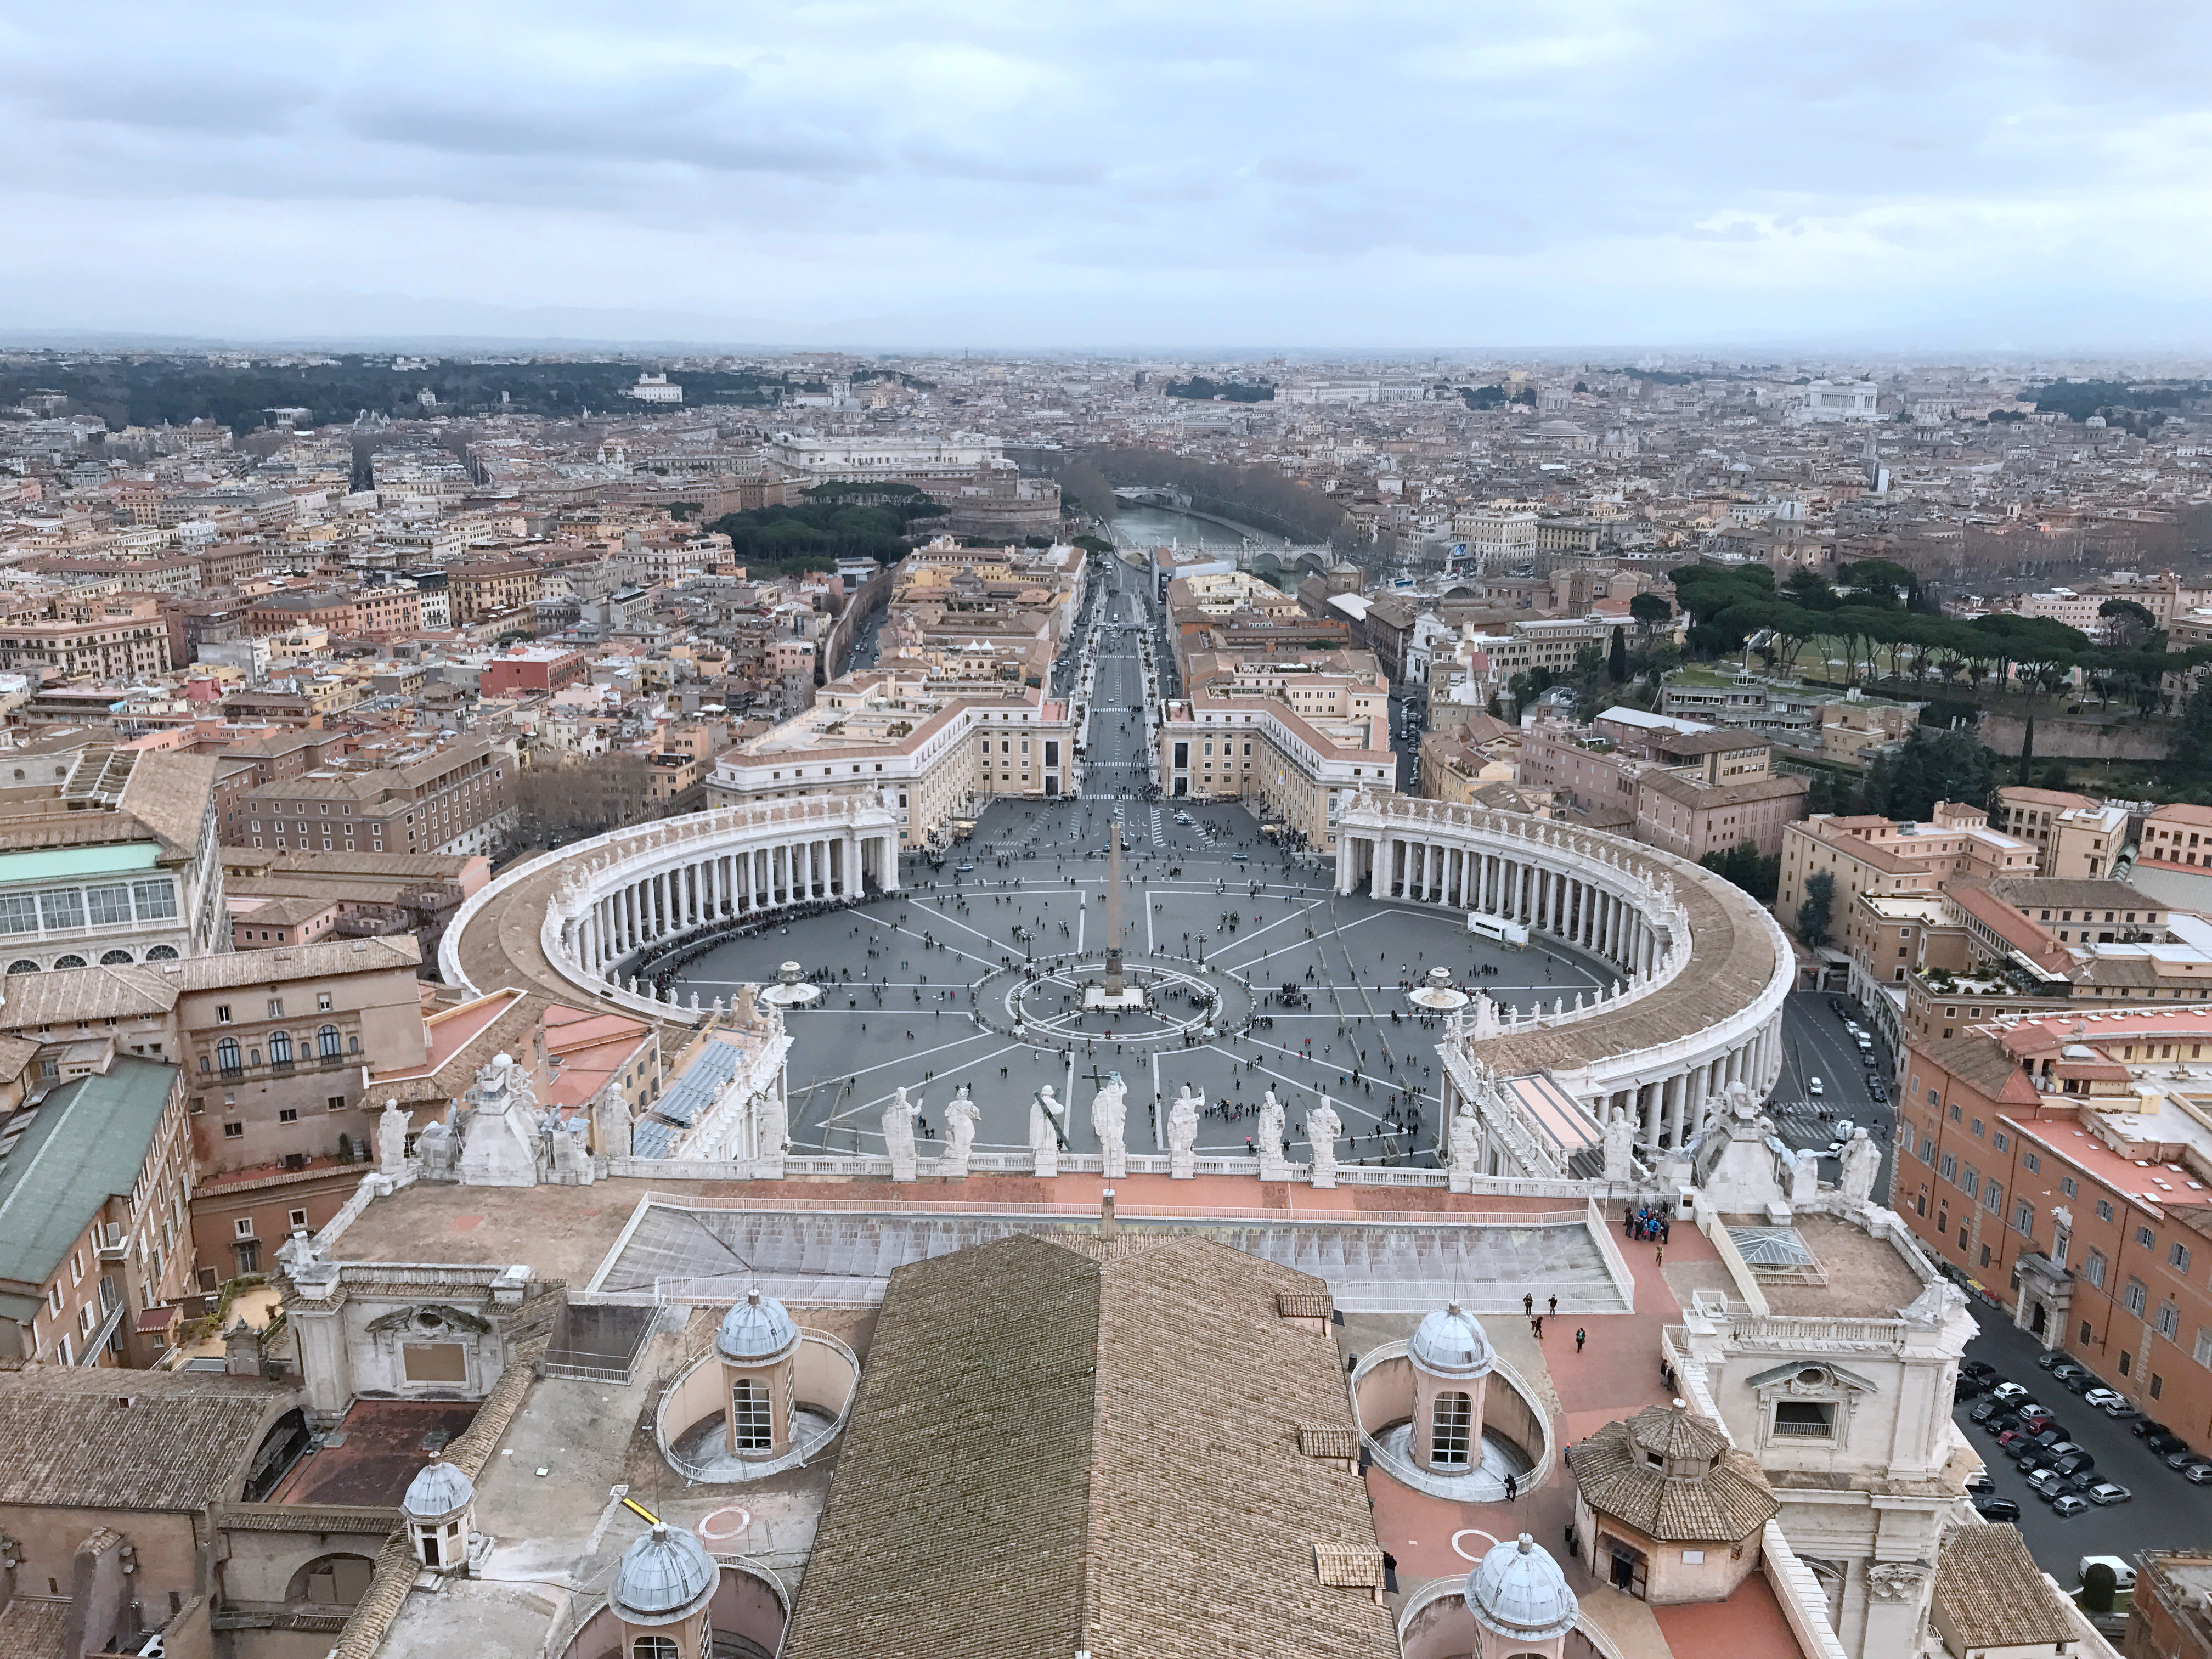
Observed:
{"x":757,"y":1330}
{"x":1518,"y":1590}
{"x":438,"y":1490}
{"x":664,"y":1576}
{"x":1450,"y":1344}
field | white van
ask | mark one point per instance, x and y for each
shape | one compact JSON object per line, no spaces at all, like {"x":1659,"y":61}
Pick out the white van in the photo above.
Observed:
{"x":2124,"y":1576}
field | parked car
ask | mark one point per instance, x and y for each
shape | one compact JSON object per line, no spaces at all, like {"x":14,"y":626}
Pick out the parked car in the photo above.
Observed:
{"x":2076,"y":1381}
{"x":1836,"y":1005}
{"x":2073,"y":1463}
{"x":2105,"y":1399}
{"x":2001,"y":1422}
{"x":1984,"y":1408}
{"x":2182,"y":1459}
{"x":1979,"y":1484}
{"x":2108,"y":1492}
{"x":2053,"y":1360}
{"x":1983,"y":1368}
{"x":1879,"y":1095}
{"x":2035,"y":1420}
{"x":2014,"y":1440}
{"x":2046,"y":1485}
{"x":2009,"y":1393}
{"x":1965,"y":1389}
{"x":2050,"y":1437}
{"x":2032,"y":1460}
{"x":1996,"y":1509}
{"x":2198,"y":1474}
{"x":2147,"y":1428}
{"x":2068,"y":1504}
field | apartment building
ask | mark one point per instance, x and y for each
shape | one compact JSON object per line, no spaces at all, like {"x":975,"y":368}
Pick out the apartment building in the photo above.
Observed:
{"x":453,"y":798}
{"x":2064,"y":1163}
{"x":547,"y":668}
{"x":475,"y":591}
{"x":1551,"y":643}
{"x":936,"y":750}
{"x":1669,"y":783}
{"x":2074,"y":837}
{"x":1291,"y":767}
{"x":95,"y":1244}
{"x":118,"y":640}
{"x":1871,"y":855}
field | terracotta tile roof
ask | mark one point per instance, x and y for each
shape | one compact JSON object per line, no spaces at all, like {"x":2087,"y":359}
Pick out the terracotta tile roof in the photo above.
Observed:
{"x":1060,"y":1436}
{"x":181,"y":1444}
{"x":1720,"y":1497}
{"x":1992,"y":1595}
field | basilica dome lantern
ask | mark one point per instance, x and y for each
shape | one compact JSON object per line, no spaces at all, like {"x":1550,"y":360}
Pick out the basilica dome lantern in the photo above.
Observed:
{"x":758,"y":1347}
{"x":1451,"y":1360}
{"x":662,"y":1587}
{"x":1521,"y":1605}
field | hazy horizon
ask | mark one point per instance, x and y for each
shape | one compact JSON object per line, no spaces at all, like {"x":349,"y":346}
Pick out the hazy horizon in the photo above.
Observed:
{"x":1249,"y":179}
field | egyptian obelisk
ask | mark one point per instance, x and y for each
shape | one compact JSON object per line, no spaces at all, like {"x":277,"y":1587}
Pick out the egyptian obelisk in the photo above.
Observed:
{"x":1114,"y":986}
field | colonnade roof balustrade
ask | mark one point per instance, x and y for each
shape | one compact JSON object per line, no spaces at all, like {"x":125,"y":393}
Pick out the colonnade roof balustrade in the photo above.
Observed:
{"x":1728,"y":976}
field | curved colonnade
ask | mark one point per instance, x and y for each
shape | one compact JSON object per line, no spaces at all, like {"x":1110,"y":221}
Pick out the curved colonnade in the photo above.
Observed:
{"x":1704,"y":968}
{"x":586,"y":920}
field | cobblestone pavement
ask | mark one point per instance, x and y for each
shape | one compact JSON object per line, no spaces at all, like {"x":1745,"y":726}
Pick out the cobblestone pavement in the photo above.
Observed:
{"x":922,"y":989}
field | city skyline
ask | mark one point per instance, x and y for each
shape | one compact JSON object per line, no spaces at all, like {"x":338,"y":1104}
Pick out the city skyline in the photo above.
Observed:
{"x":1410,"y":178}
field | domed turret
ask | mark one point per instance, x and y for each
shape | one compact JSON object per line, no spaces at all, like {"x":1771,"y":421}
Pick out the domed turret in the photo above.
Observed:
{"x":756,"y":1332}
{"x":665,"y":1577}
{"x":1451,"y":1357}
{"x":1520,"y":1600}
{"x":439,"y":1489}
{"x":1449,"y":1343}
{"x":439,"y":1508}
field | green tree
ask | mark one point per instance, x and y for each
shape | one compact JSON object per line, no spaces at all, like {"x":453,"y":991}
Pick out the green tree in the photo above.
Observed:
{"x":1742,"y":864}
{"x":1616,"y":657}
{"x":2098,"y":1586}
{"x":2129,"y":624}
{"x":1649,"y":610}
{"x":1816,"y":916}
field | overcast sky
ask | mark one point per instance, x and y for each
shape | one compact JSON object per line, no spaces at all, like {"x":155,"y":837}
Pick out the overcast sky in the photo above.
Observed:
{"x":2026,"y":174}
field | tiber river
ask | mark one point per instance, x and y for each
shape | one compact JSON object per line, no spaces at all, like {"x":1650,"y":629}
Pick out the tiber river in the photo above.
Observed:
{"x":1156,"y":526}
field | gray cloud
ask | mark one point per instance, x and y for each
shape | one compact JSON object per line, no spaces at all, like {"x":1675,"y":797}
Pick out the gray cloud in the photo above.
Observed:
{"x":1624,"y":167}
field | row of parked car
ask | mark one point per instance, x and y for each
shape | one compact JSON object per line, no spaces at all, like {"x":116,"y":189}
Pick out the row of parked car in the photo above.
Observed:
{"x":1869,"y":1054}
{"x":2059,"y":1471}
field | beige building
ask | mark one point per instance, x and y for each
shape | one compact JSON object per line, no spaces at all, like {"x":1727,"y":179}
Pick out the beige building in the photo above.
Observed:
{"x":119,"y":639}
{"x":1284,"y":752}
{"x":935,"y":751}
{"x":1869,"y":854}
{"x":2076,"y":838}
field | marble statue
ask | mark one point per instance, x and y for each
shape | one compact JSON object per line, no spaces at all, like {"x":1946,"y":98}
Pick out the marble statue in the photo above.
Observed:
{"x":1862,"y":1167}
{"x":1182,"y":1135}
{"x":1619,"y":1147}
{"x":1322,"y":1128}
{"x":960,"y":1129}
{"x":1805,"y":1178}
{"x":391,"y":1128}
{"x":898,"y":1134}
{"x":1273,"y":1165}
{"x":1054,"y":1107}
{"x":1108,"y":1119}
{"x":1044,"y":1132}
{"x":570,"y":1146}
{"x":1466,"y":1147}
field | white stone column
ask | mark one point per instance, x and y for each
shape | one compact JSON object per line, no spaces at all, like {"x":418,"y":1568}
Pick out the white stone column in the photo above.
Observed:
{"x":1647,"y":1110}
{"x":1675,"y":1089}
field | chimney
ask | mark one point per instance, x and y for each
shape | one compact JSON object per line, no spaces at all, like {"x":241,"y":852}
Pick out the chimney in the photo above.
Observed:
{"x":1106,"y":1213}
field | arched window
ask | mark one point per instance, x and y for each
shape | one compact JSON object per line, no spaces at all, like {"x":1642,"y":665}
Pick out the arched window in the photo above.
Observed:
{"x":162,"y":953}
{"x":653,"y":1647}
{"x":280,"y":1048}
{"x":114,"y":958}
{"x":327,"y":1044}
{"x":226,"y":1055}
{"x":1451,"y":1431}
{"x":754,"y":1423}
{"x":22,"y":965}
{"x":68,"y":962}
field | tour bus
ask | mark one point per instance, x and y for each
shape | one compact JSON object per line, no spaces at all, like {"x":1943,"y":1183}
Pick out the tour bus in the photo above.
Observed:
{"x":1497,"y":927}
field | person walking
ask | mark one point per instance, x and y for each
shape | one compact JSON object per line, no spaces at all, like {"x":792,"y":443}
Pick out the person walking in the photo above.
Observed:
{"x":1552,"y":1304}
{"x":1659,"y":1255}
{"x":1529,"y":1304}
{"x":1512,"y":1488}
{"x":1581,"y":1337}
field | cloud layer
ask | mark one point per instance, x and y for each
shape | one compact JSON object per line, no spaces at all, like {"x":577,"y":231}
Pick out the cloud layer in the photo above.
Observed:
{"x":1384,"y":174}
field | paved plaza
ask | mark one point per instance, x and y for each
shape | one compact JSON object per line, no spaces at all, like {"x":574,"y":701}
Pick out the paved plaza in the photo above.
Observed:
{"x":974,"y":976}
